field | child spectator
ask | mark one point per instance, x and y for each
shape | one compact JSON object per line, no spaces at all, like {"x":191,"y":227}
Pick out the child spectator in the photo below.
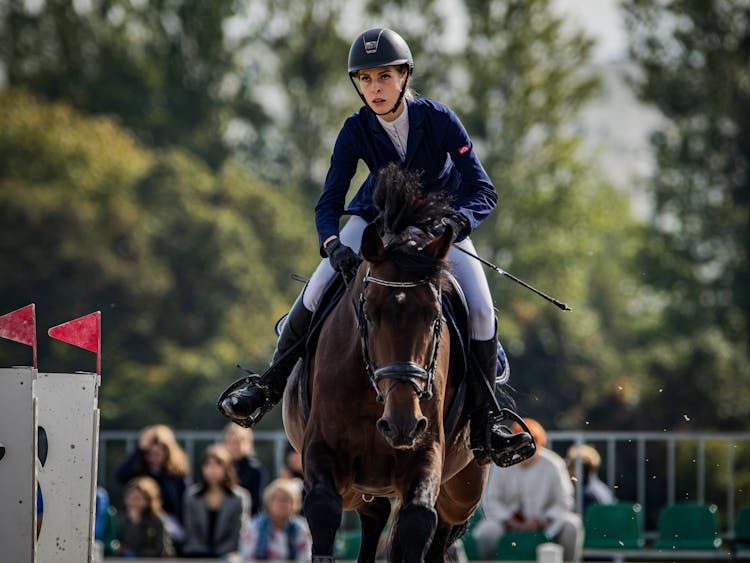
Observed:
{"x":140,"y":527}
{"x":278,"y":533}
{"x":215,"y":509}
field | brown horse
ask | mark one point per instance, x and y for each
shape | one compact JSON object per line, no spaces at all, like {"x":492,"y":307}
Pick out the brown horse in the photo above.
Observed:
{"x":360,"y":447}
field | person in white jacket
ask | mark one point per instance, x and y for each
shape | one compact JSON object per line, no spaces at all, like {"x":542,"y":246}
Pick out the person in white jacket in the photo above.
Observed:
{"x":536,"y":494}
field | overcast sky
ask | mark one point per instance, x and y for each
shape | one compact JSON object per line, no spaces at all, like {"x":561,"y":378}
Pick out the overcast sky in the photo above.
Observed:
{"x":600,"y":19}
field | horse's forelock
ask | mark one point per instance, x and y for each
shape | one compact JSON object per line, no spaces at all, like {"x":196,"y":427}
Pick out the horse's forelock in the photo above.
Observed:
{"x":405,"y":211}
{"x":402,"y":204}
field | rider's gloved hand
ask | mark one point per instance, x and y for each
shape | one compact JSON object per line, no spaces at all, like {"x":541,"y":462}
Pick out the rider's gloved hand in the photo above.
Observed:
{"x":343,"y":259}
{"x":456,"y":221}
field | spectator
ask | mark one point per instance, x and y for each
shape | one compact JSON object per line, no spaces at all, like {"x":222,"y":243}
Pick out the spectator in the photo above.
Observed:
{"x":279,"y":532}
{"x":250,"y":471}
{"x":159,"y":456}
{"x":291,"y":469}
{"x":216,"y":508}
{"x":141,"y":531}
{"x":292,"y":466}
{"x":594,"y":489}
{"x":536,"y":494}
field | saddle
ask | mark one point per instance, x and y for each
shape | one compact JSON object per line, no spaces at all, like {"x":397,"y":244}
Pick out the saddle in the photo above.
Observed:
{"x":456,"y":314}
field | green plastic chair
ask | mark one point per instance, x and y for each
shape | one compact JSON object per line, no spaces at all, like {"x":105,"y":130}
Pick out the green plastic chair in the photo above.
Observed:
{"x":347,"y":544}
{"x":688,"y":526}
{"x":742,"y":529}
{"x":469,"y":543}
{"x":519,"y":546}
{"x":348,"y":537}
{"x":109,"y":533}
{"x":615,"y":526}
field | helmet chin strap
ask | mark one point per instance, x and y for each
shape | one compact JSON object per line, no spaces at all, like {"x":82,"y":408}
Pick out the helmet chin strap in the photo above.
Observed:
{"x":393,"y":109}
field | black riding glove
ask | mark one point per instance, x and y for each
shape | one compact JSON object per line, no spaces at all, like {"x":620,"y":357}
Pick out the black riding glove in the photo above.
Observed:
{"x":343,"y":259}
{"x":458,"y":223}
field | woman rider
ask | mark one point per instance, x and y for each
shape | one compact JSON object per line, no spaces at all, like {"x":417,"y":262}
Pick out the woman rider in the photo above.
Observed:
{"x":421,"y":135}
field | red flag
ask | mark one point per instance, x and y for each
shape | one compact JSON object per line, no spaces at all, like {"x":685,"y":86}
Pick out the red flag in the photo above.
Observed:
{"x":19,"y":325}
{"x":84,"y":332}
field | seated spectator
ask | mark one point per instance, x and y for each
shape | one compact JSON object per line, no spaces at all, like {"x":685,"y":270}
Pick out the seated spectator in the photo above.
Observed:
{"x":215,"y":509}
{"x":594,"y":489}
{"x":279,"y":532}
{"x":159,"y":456}
{"x":292,"y":466}
{"x":536,"y":494}
{"x":292,"y":469}
{"x":101,"y":511}
{"x":141,"y":530}
{"x":250,"y":471}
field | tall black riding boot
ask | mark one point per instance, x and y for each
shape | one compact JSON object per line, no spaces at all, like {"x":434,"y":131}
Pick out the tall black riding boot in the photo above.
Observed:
{"x":248,"y":399}
{"x":491,"y":440}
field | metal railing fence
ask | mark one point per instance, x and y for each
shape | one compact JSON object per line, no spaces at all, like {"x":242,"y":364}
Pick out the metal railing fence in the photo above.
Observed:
{"x":654,"y":469}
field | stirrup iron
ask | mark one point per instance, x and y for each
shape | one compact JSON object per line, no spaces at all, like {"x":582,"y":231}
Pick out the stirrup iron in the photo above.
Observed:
{"x":510,"y":455}
{"x":250,"y":380}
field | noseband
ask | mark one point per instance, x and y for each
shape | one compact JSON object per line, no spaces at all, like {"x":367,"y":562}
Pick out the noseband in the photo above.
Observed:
{"x":419,"y":377}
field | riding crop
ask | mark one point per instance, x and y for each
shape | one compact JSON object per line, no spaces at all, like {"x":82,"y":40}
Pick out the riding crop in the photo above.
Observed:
{"x":502,"y":272}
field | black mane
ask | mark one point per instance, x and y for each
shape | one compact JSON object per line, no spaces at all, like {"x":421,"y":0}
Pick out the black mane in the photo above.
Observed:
{"x":406,"y":215}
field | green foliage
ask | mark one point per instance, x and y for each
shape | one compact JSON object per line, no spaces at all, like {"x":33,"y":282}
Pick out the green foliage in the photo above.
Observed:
{"x":297,"y":59}
{"x":148,"y":212}
{"x":165,"y":69}
{"x":693,"y":58}
{"x":559,"y":224}
{"x":188,"y":267}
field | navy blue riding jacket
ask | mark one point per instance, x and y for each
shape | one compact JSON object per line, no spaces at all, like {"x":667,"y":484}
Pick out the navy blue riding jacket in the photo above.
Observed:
{"x":438,"y":147}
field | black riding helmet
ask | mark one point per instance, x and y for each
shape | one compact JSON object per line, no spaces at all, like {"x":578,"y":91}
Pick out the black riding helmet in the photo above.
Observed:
{"x":378,"y":47}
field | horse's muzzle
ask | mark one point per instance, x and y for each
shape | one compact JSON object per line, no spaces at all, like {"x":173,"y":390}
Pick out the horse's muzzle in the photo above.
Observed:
{"x":402,"y":434}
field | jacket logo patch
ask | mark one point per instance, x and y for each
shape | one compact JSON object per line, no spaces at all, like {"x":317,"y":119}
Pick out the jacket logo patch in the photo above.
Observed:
{"x":464,"y":149}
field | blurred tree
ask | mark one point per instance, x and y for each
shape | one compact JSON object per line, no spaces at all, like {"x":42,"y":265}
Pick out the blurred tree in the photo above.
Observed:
{"x":188,"y":267}
{"x":518,"y":86}
{"x":167,"y":69}
{"x":297,"y":60}
{"x":693,"y":66}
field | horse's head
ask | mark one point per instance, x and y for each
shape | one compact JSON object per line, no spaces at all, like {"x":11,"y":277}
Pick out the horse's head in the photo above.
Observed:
{"x":400,"y":318}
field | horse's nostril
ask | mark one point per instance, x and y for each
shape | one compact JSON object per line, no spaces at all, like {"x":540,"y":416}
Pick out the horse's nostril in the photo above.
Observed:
{"x":420,"y":427}
{"x":384,"y":427}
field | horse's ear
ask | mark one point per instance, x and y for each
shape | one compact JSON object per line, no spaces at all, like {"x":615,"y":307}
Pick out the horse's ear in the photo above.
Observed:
{"x":372,"y":248}
{"x":440,"y":246}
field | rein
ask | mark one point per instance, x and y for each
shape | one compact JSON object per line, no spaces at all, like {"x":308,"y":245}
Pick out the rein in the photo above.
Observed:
{"x":419,"y":377}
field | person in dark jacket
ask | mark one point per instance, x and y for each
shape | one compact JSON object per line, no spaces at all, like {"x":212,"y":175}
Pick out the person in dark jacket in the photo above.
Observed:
{"x":215,"y":509}
{"x":141,"y":530}
{"x":421,"y":135}
{"x":250,"y":471}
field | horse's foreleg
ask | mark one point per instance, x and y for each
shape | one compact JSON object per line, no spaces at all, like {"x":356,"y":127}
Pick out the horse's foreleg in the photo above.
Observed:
{"x":417,"y":520}
{"x":440,"y":542}
{"x":373,"y":516}
{"x":323,"y":504}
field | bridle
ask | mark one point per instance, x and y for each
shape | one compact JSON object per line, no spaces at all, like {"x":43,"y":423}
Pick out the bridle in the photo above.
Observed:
{"x":419,"y":377}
